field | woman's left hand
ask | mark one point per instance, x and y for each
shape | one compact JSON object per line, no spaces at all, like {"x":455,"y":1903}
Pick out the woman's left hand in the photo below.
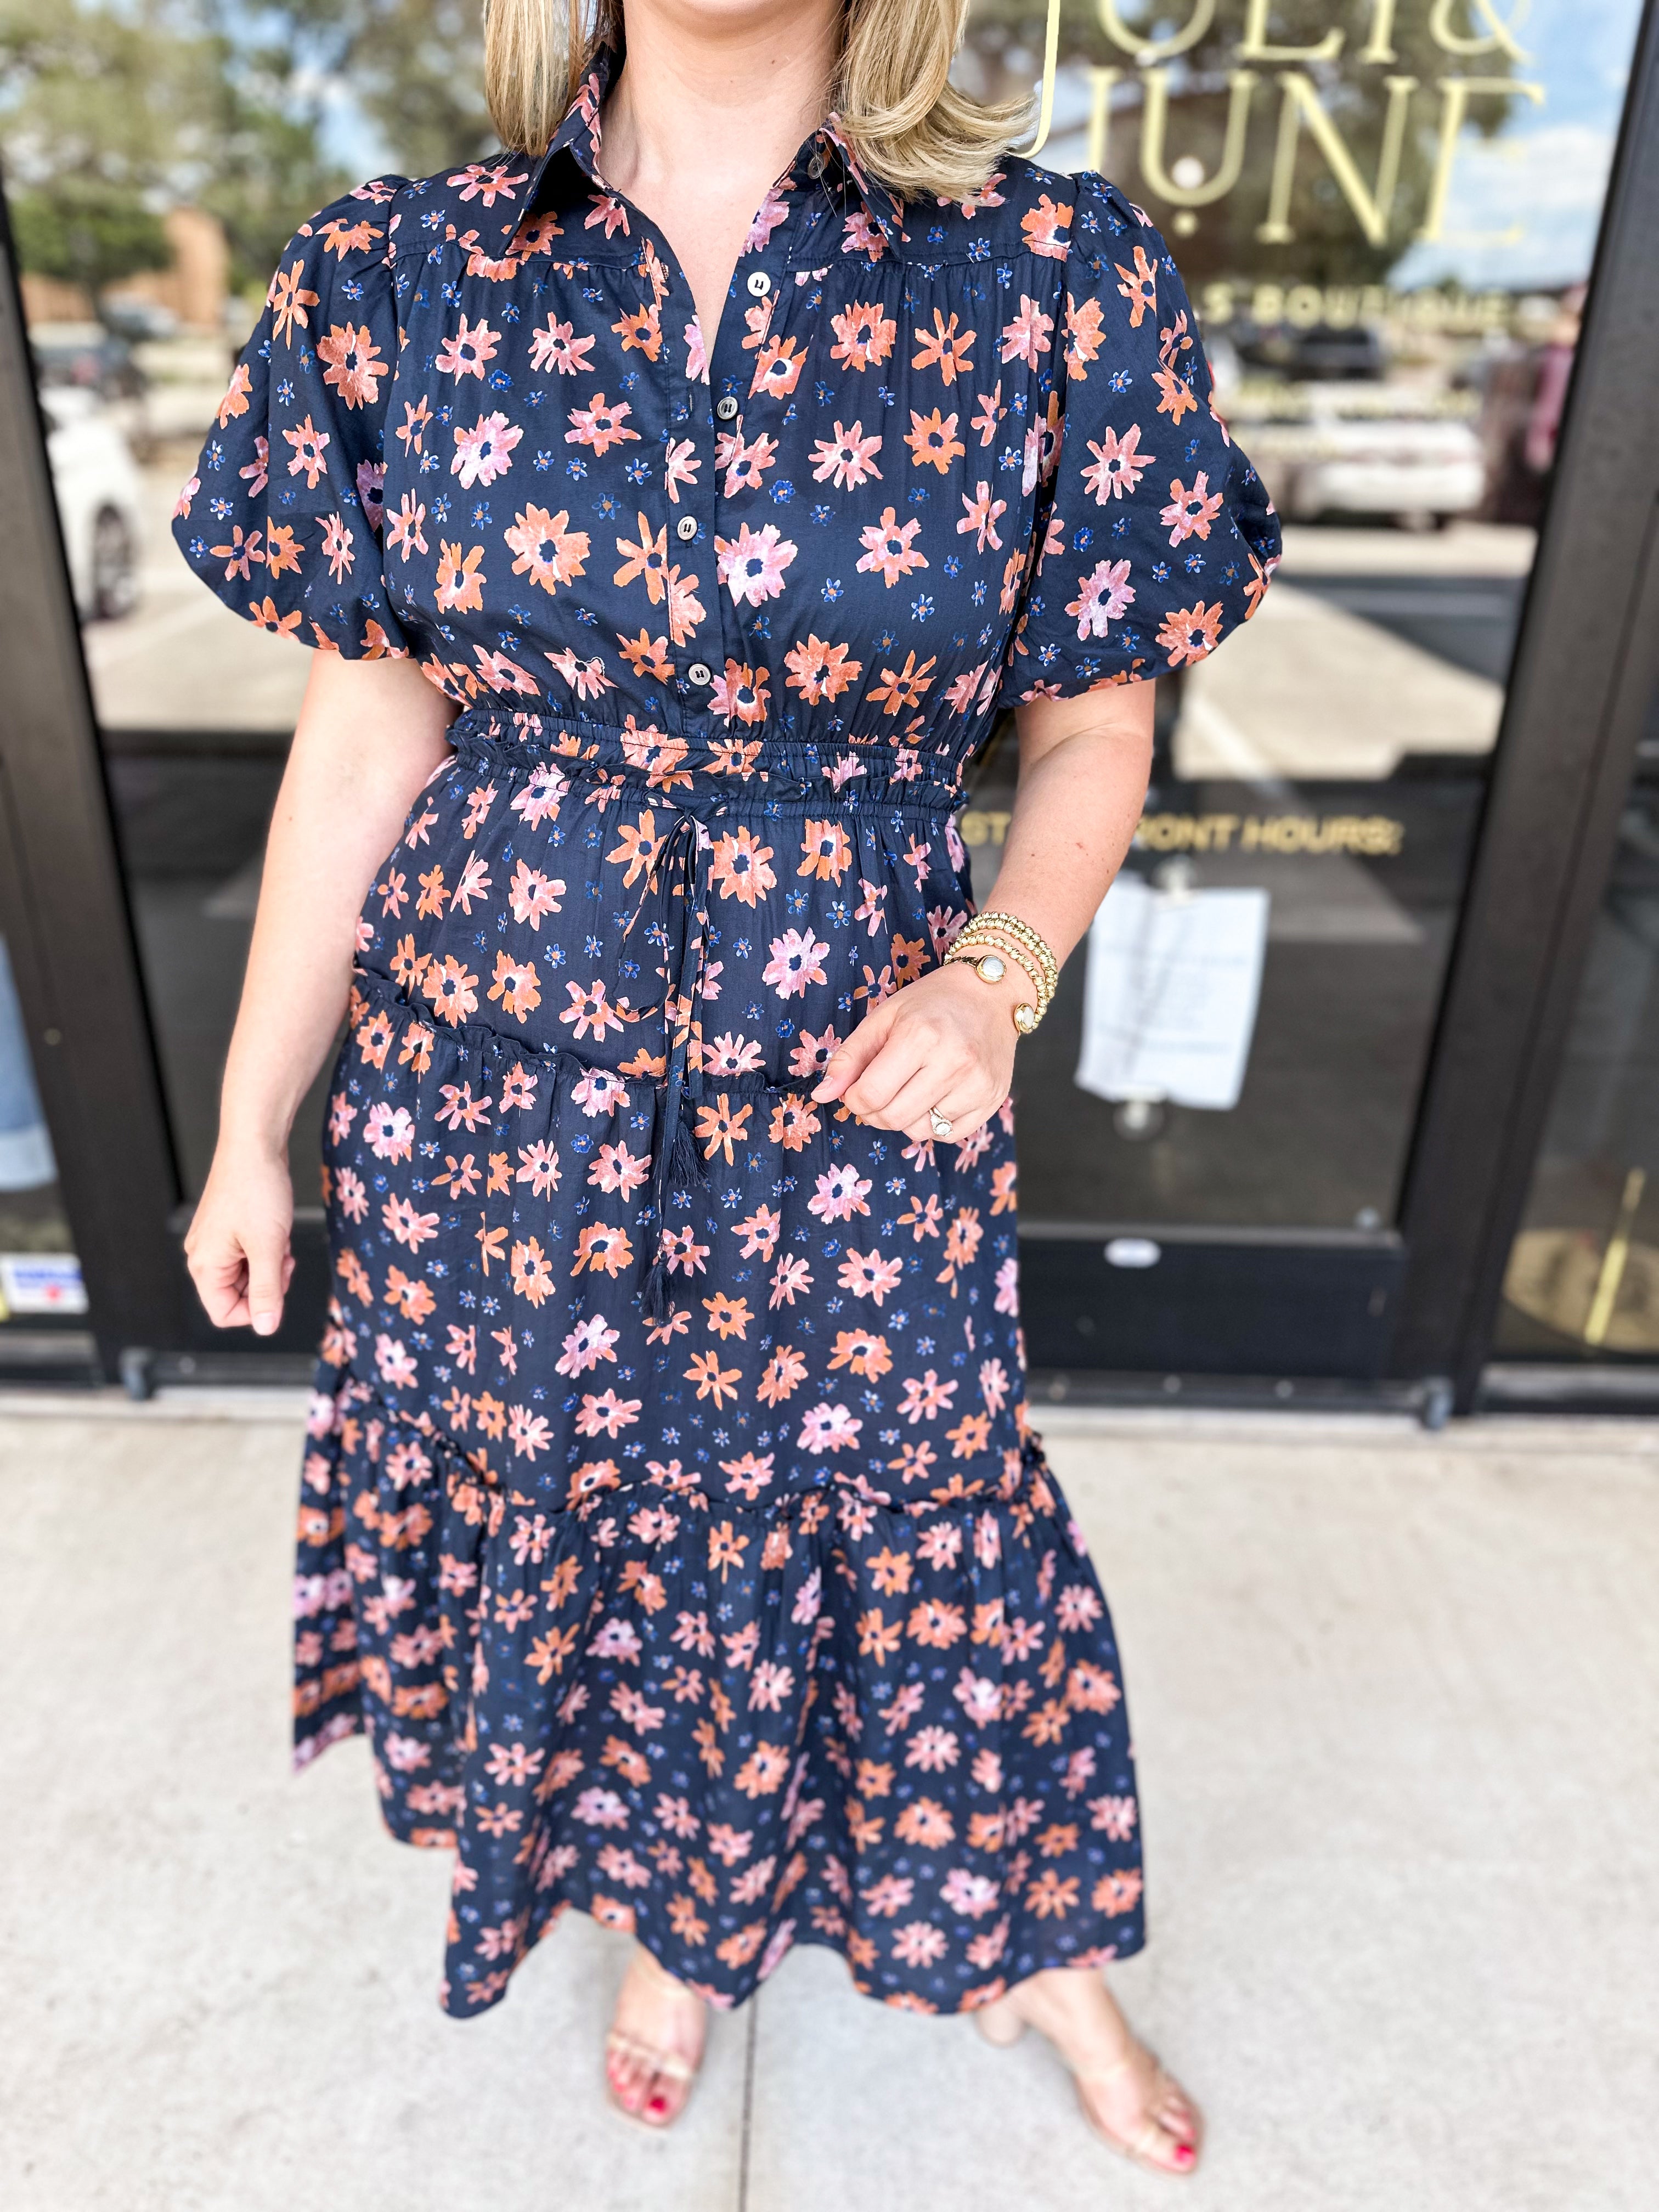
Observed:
{"x":944,"y":1044}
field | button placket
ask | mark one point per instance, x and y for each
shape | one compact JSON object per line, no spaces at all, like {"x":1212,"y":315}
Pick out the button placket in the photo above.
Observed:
{"x":768,"y":287}
{"x":686,"y":521}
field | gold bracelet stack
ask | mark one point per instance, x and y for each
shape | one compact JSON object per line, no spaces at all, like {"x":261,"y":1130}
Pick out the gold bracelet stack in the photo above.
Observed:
{"x":990,"y":941}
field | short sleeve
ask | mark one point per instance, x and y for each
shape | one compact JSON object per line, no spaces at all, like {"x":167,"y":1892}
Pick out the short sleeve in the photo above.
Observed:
{"x":1159,"y":537}
{"x":283,"y":517}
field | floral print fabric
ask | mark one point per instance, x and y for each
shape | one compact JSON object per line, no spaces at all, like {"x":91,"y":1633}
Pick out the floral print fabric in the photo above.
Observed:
{"x":672,"y":1522}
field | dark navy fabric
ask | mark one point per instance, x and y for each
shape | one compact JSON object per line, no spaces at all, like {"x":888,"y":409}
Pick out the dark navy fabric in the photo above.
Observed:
{"x":672,"y":1522}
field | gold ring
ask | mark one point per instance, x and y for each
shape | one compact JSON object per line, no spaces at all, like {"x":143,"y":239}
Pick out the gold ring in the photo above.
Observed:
{"x":941,"y":1123}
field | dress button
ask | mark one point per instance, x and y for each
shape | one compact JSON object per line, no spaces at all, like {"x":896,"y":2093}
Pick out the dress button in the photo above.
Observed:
{"x":686,"y":526}
{"x":726,"y":408}
{"x":759,"y":284}
{"x":699,"y":672}
{"x":815,"y":167}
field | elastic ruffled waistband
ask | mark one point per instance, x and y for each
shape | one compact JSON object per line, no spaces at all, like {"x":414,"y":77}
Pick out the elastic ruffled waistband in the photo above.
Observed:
{"x":713,"y":772}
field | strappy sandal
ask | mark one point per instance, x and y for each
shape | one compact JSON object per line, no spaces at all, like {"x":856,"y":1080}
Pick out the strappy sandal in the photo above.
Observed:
{"x":659,"y":2065}
{"x":1002,"y":2025}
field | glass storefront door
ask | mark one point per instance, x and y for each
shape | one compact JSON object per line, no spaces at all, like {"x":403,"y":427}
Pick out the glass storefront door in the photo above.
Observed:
{"x":40,"y":1273}
{"x":1386,"y":216}
{"x":1582,"y":1280}
{"x":1385,"y":212}
{"x":145,"y":237}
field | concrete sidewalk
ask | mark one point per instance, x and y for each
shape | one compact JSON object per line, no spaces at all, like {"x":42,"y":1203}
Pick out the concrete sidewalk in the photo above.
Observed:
{"x":1396,"y":1699}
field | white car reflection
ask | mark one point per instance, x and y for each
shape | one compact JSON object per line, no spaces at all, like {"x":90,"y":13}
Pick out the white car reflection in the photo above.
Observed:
{"x":1332,"y":449}
{"x":100,"y":501}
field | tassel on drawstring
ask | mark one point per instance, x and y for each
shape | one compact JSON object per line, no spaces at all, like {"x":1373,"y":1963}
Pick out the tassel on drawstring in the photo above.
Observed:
{"x":685,"y":1163}
{"x":679,"y":1169}
{"x":653,"y":1292}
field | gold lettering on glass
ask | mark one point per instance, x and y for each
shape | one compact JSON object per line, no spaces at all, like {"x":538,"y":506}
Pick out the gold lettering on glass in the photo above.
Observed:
{"x":1154,"y":118}
{"x":1257,"y":47}
{"x":1301,"y":104}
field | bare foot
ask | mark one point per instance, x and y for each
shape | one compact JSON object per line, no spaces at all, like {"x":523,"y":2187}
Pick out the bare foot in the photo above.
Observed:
{"x":1125,"y":2093}
{"x":655,"y":2045}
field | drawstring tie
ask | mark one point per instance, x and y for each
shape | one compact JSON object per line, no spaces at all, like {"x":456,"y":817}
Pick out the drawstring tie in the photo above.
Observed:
{"x":677,"y":1166}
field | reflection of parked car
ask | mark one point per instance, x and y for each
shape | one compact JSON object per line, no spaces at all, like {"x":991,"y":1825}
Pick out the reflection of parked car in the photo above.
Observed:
{"x":100,"y":501}
{"x":88,"y":357}
{"x":1322,"y":354}
{"x":1330,"y":449}
{"x":138,"y":320}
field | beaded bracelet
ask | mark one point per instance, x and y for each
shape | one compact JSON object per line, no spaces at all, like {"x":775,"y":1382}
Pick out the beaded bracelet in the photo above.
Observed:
{"x":1009,"y":934}
{"x":990,"y":941}
{"x":1009,"y":927}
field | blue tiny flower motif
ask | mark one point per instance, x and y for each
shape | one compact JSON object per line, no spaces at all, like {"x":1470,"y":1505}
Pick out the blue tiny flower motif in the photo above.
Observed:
{"x":783,"y":491}
{"x":481,"y":515}
{"x":639,"y":470}
{"x":822,"y":514}
{"x":920,"y":608}
{"x":953,"y":565}
{"x":576,"y":468}
{"x":543,"y":460}
{"x":831,"y":591}
{"x":1120,"y":380}
{"x":1160,"y":572}
{"x":1082,"y":540}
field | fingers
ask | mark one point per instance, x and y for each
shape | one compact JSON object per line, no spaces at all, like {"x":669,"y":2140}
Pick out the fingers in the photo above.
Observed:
{"x":270,"y":1268}
{"x":242,"y":1279}
{"x":221,"y":1278}
{"x":966,"y":1106}
{"x":848,"y":1060}
{"x":906,"y":1058}
{"x":915,"y":1075}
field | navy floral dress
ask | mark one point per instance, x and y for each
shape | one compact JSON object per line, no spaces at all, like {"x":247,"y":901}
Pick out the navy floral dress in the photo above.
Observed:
{"x":672,"y":1522}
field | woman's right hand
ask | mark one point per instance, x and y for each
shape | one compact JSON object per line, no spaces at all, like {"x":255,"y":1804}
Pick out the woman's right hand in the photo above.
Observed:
{"x":370,"y":735}
{"x":238,"y":1248}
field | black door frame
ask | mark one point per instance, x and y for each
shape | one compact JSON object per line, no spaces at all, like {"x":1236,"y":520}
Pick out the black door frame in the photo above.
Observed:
{"x":1586,"y":664}
{"x":1587,"y":659}
{"x":63,"y":903}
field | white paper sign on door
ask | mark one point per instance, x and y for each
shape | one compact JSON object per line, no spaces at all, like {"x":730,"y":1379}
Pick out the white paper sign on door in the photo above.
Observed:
{"x":1171,"y":996}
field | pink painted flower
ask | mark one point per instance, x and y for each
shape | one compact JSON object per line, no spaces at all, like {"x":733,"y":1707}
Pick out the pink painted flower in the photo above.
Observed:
{"x":796,"y":963}
{"x":752,"y":563}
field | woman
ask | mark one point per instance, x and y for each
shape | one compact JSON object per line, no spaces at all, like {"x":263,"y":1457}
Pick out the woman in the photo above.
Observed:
{"x":675,"y":502}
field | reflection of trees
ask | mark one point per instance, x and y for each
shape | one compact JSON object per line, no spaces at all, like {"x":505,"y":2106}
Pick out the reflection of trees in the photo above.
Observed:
{"x":415,"y":68}
{"x":108,"y":116}
{"x":1199,"y":87}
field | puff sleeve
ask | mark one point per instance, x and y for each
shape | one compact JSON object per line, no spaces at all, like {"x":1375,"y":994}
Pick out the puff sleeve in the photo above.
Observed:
{"x":1160,"y":537}
{"x":283,"y":517}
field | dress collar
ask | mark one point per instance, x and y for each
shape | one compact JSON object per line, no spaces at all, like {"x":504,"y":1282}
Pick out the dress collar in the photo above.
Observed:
{"x":824,"y":159}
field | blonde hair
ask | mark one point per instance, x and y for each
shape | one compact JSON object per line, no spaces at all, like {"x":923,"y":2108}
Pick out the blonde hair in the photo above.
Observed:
{"x":907,"y":124}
